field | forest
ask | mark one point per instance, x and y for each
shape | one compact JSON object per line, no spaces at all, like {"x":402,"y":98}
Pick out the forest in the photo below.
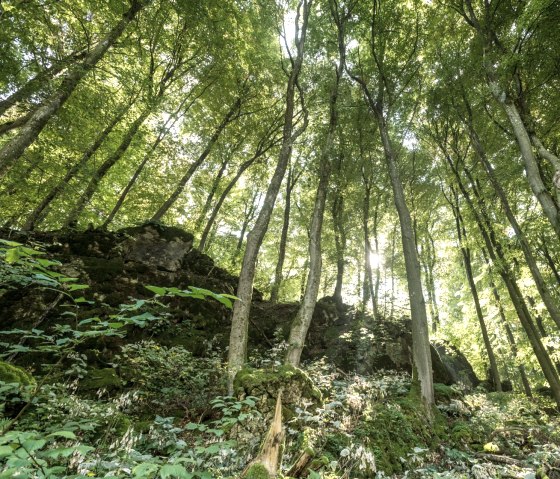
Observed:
{"x":279,"y":239}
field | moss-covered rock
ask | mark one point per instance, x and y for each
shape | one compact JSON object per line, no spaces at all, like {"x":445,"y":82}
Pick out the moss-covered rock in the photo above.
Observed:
{"x":14,"y":374}
{"x":296,"y":385}
{"x":105,"y":378}
{"x":393,"y":430}
{"x":257,"y":471}
{"x":444,"y":393}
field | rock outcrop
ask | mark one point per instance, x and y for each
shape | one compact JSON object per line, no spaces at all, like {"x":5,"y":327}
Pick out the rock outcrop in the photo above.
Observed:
{"x":119,"y":265}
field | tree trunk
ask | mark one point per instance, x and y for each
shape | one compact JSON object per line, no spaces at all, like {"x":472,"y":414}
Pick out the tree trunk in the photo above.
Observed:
{"x":41,"y":211}
{"x":420,"y":335}
{"x":249,"y":214}
{"x":302,"y":321}
{"x":337,"y":211}
{"x":38,"y":81}
{"x":548,"y":300}
{"x":213,"y":189}
{"x":13,"y":149}
{"x":467,"y":263}
{"x":497,"y":256}
{"x":93,"y":184}
{"x":428,"y":264}
{"x":240,"y":320}
{"x":549,"y":260}
{"x":367,"y":287}
{"x":230,"y":116}
{"x":507,"y":328}
{"x":167,"y":126}
{"x":278,"y":274}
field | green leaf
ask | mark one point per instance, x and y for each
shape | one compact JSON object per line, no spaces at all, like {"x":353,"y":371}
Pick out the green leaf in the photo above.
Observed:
{"x":156,"y":289}
{"x":8,"y":242}
{"x":13,"y":255}
{"x":65,"y":434}
{"x":77,"y":287}
{"x":6,"y":451}
{"x":174,"y":470}
{"x":144,"y":470}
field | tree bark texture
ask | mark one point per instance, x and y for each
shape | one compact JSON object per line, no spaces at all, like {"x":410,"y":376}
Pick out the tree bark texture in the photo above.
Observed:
{"x":240,"y":320}
{"x":29,"y":132}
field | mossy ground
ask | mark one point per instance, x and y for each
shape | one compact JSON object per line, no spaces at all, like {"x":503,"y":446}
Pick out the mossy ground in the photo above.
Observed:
{"x":14,"y":374}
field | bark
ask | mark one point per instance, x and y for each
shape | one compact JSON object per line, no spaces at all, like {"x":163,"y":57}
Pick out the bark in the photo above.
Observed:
{"x":266,"y":142}
{"x":278,"y":275}
{"x":231,"y":115}
{"x":540,"y":283}
{"x":37,"y":82}
{"x":367,"y":287}
{"x":210,"y":197}
{"x":168,"y":125}
{"x":249,"y":214}
{"x":549,"y":260}
{"x":497,"y":256}
{"x":102,"y":171}
{"x":428,"y":265}
{"x":42,"y":209}
{"x":493,"y":52}
{"x":302,"y":321}
{"x":504,"y":322}
{"x":12,"y":150}
{"x":420,"y":335}
{"x":13,"y":124}
{"x":269,"y":455}
{"x":337,"y":212}
{"x":467,"y":263}
{"x":531,"y":167}
{"x":240,"y":321}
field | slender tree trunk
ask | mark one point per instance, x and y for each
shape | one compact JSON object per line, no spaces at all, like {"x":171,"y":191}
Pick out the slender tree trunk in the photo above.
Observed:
{"x":213,"y":189}
{"x":420,"y":342}
{"x":41,"y":211}
{"x":13,"y":149}
{"x":93,"y":184}
{"x":220,"y":202}
{"x":493,"y":53}
{"x":250,"y":210}
{"x":496,"y":255}
{"x":550,"y":261}
{"x":368,"y":286}
{"x":548,"y":300}
{"x":467,"y":263}
{"x":428,"y":264}
{"x":168,"y":125}
{"x":38,"y":81}
{"x":240,"y":321}
{"x":337,"y":211}
{"x":230,"y":116}
{"x":278,"y":274}
{"x":300,"y":324}
{"x":504,"y":322}
{"x":13,"y":124}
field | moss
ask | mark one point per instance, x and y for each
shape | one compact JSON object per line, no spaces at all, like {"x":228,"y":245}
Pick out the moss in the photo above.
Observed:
{"x":101,"y":379}
{"x":462,"y":433}
{"x":257,"y":471}
{"x":168,"y":233}
{"x":14,"y":374}
{"x":393,"y":430}
{"x":444,"y":393}
{"x":294,"y":381}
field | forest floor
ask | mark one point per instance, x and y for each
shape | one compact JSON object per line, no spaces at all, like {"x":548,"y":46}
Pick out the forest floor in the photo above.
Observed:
{"x":107,"y":402}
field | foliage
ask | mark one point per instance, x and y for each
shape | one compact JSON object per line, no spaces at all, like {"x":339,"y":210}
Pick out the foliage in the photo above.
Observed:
{"x":171,"y":380}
